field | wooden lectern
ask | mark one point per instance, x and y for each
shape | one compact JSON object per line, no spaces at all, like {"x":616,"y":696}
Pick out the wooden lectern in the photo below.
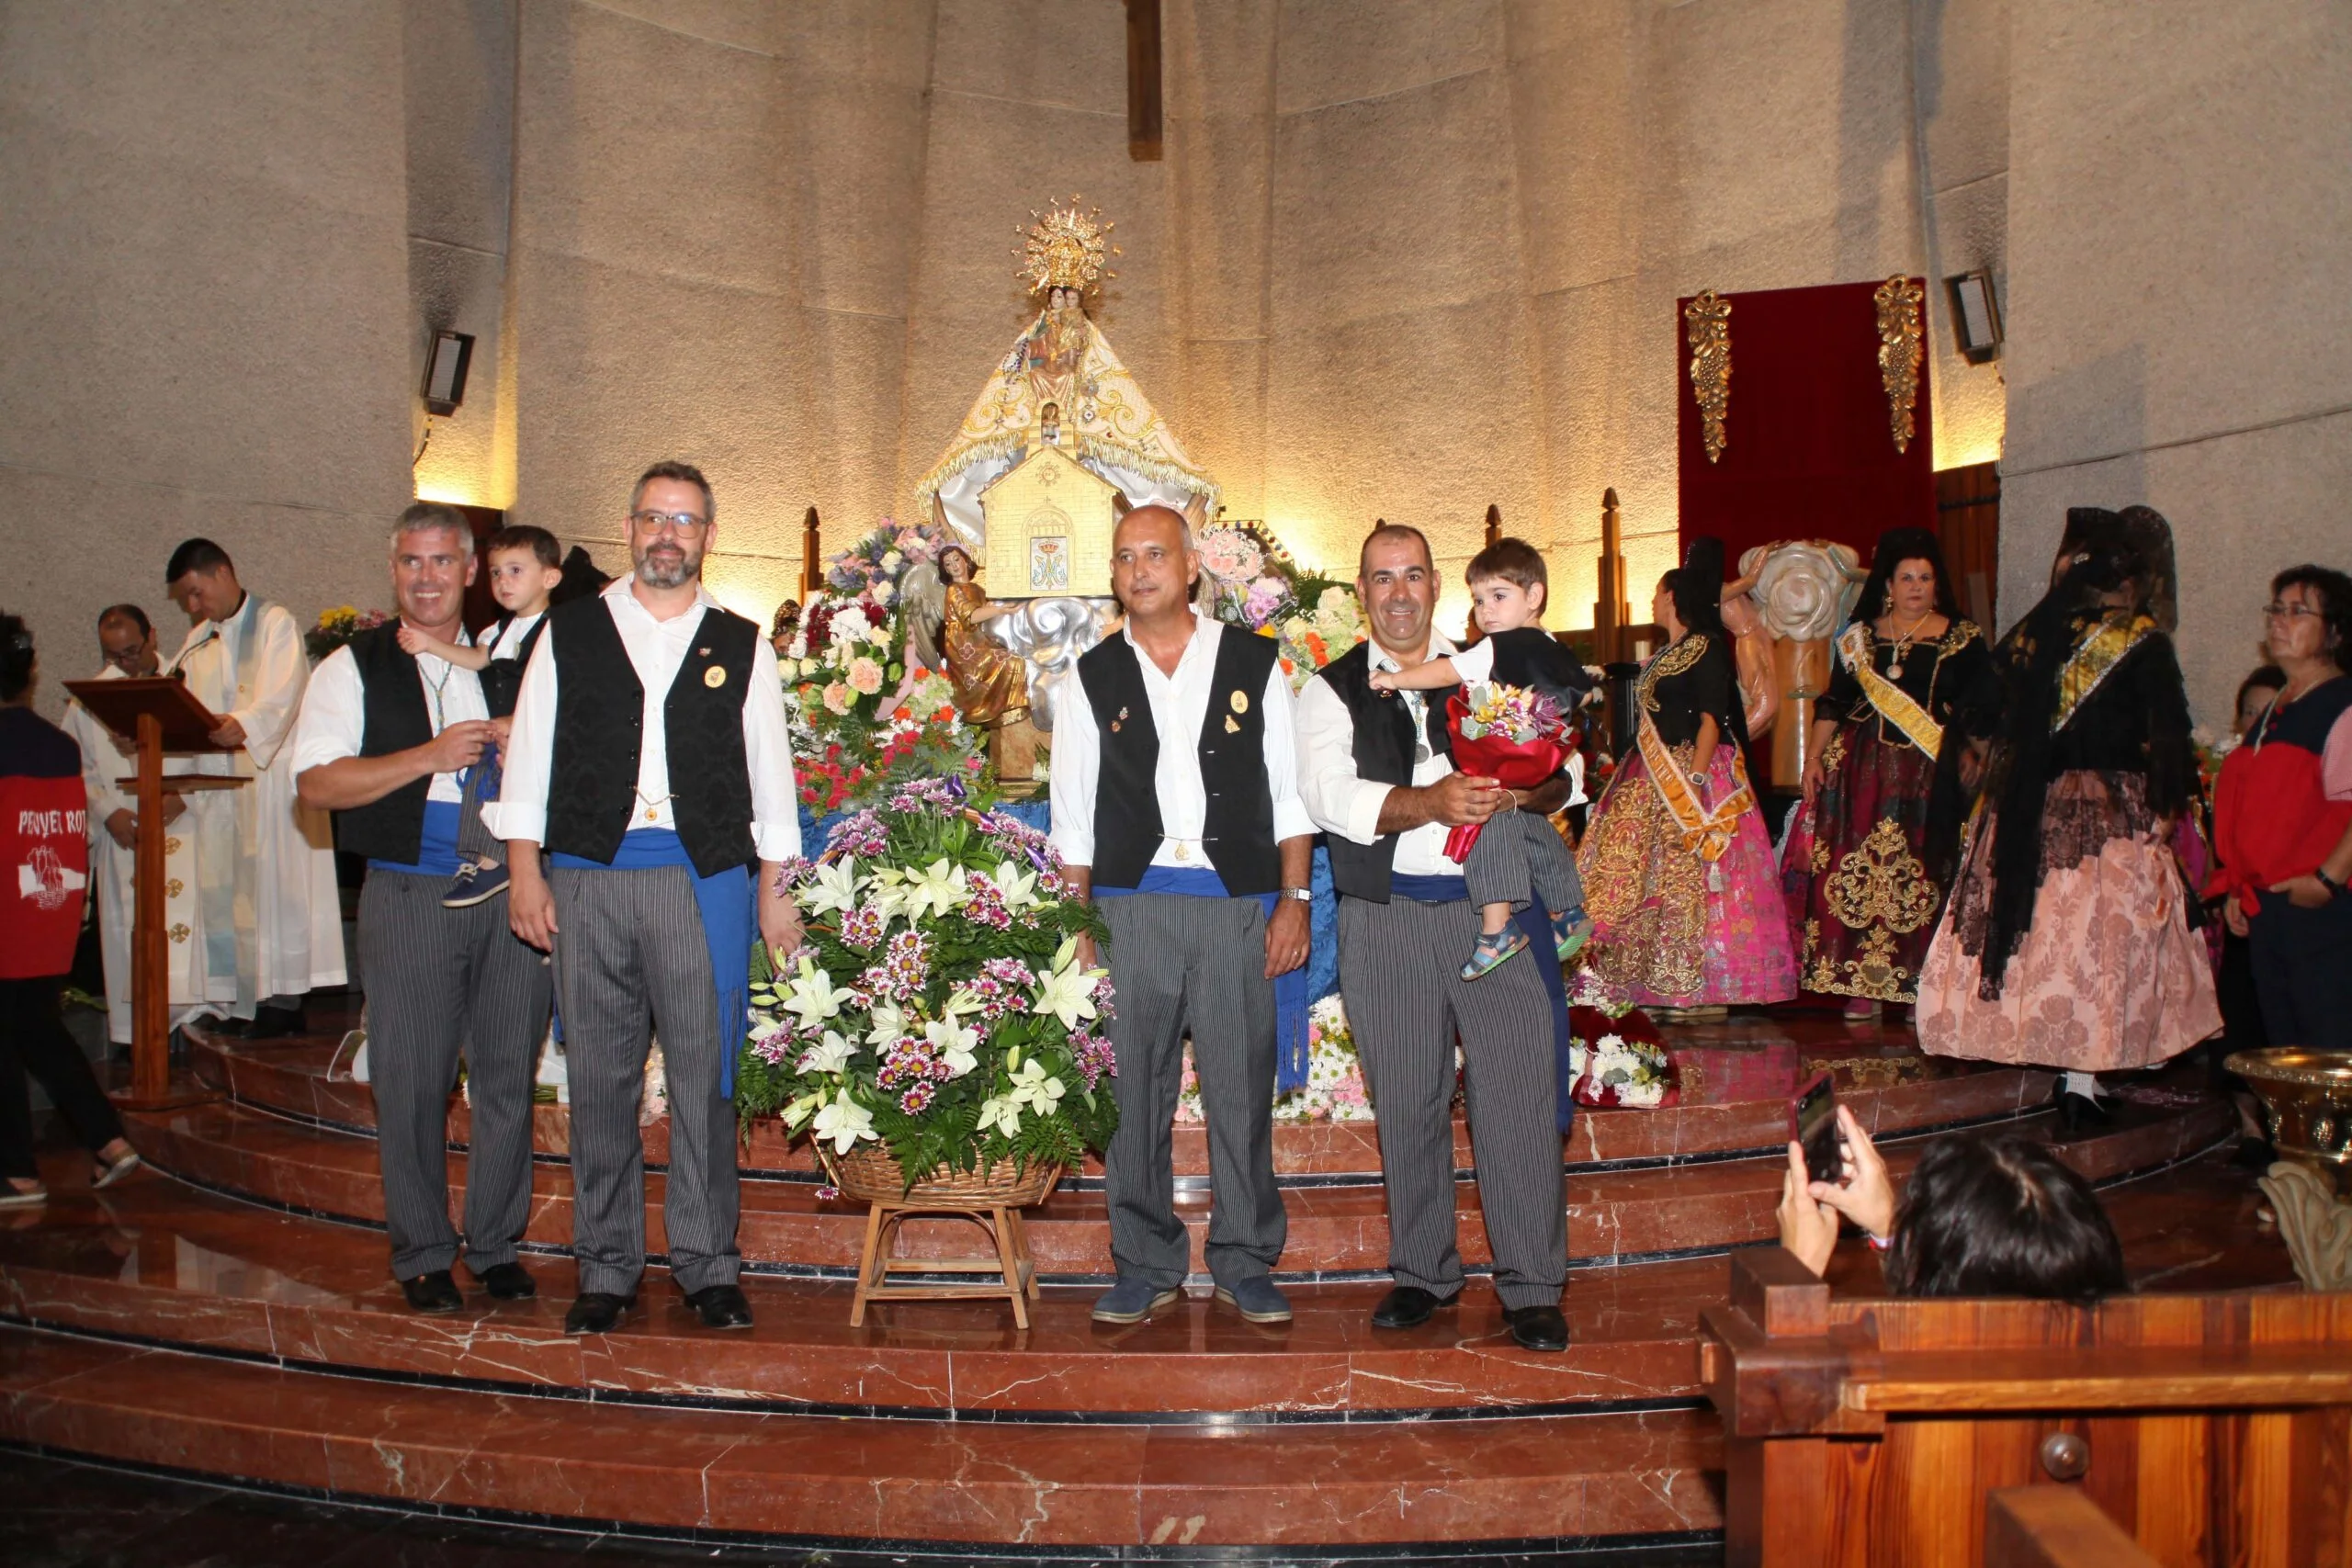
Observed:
{"x":159,"y":714}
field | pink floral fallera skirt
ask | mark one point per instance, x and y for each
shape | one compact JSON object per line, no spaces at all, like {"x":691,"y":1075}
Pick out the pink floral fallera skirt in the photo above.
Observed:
{"x":1669,"y":929}
{"x":2108,"y":976}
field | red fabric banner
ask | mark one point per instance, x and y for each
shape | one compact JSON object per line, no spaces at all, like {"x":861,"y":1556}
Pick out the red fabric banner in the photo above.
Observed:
{"x":1809,"y":449}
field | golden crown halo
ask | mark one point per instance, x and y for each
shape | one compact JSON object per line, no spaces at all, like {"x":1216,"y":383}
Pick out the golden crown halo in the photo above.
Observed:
{"x":1065,"y":248}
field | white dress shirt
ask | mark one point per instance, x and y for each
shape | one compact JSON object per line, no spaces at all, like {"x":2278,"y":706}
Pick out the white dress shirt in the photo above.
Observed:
{"x":334,"y":712}
{"x":1179,"y":706}
{"x":656,"y":650}
{"x":1342,"y":803}
{"x":509,"y":642}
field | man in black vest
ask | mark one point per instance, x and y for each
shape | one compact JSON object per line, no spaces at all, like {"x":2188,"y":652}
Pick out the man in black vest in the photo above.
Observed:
{"x":1376,"y":777}
{"x":383,"y":741}
{"x":1176,"y":807}
{"x":651,"y":760}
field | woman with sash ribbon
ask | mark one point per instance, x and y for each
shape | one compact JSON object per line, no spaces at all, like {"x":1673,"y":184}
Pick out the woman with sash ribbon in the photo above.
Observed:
{"x":2066,"y":940}
{"x":1864,"y":883}
{"x":1678,"y":866}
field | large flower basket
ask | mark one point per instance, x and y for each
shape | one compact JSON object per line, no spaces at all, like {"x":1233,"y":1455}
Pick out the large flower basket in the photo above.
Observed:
{"x":935,"y":1036}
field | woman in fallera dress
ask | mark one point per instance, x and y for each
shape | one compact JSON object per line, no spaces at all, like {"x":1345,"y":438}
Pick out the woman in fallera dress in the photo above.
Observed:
{"x":1869,"y":863}
{"x":2066,"y":940}
{"x":1678,"y":865}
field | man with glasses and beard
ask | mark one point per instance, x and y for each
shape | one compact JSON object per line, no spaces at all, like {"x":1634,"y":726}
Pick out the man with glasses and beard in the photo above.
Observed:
{"x":652,"y":763}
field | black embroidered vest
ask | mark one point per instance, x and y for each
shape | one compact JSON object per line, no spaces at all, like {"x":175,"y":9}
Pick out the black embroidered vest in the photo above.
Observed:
{"x":599,"y":716}
{"x":1384,"y":746}
{"x":501,"y":679}
{"x":1238,"y":832}
{"x":395,"y":719}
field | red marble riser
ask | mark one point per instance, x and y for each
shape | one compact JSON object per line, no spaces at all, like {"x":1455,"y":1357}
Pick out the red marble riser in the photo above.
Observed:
{"x":1615,"y":1214}
{"x":1095,"y":1486}
{"x":290,"y":1081}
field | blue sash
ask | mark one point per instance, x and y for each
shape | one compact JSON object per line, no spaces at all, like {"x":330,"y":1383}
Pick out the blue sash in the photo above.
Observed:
{"x":724,"y":901}
{"x":1291,"y":997}
{"x":436,"y":853}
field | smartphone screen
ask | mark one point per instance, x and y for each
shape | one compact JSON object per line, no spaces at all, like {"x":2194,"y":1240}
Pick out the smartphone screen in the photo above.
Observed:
{"x":1814,"y":1114}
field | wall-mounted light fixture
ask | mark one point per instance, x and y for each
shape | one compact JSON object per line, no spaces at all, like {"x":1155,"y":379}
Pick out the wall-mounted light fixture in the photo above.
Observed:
{"x":1975,"y":317}
{"x":445,"y":372}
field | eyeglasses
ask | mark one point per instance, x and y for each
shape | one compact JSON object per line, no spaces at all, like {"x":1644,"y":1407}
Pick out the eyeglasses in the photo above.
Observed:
{"x":675,"y":522}
{"x":2277,"y":611}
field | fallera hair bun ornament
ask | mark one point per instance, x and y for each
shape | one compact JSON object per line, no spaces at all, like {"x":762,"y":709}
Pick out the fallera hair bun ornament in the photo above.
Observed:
{"x":1065,"y":248}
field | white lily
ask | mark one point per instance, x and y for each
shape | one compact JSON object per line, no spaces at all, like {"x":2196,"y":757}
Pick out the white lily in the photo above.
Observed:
{"x":832,"y":886}
{"x":1000,"y":1111}
{"x":1018,"y":887}
{"x":886,"y":890}
{"x":812,"y":995}
{"x":1067,"y":992}
{"x":938,"y":888}
{"x":829,"y":1056}
{"x":955,"y":1043}
{"x":888,"y":1025}
{"x":844,"y":1122}
{"x":800,"y":1109}
{"x":1034,"y":1086}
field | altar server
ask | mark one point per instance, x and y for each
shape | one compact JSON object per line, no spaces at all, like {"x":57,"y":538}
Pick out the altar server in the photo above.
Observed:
{"x":271,"y":921}
{"x":1376,"y":776}
{"x":384,"y":742}
{"x":1175,"y":804}
{"x":651,"y":759}
{"x":127,"y":645}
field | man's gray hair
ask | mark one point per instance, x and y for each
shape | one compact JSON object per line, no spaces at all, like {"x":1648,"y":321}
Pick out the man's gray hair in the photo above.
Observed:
{"x":431,"y":517}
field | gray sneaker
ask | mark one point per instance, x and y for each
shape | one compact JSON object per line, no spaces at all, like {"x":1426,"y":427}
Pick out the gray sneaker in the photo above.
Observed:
{"x":1257,"y":1300}
{"x":1132,"y":1301}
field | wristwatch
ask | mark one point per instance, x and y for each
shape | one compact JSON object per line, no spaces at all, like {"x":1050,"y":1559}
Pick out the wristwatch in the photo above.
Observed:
{"x":2335,"y":889}
{"x":1298,"y":894}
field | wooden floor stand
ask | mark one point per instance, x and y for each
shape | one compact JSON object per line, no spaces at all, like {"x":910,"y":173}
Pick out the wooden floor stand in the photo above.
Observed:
{"x":1017,"y":1280}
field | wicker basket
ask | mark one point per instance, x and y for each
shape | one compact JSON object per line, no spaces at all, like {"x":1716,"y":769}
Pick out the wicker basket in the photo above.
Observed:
{"x":870,"y":1173}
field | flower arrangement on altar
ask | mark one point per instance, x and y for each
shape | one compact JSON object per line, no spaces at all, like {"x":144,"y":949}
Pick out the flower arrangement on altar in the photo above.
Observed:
{"x":1613,"y":1072}
{"x":338,"y":626}
{"x":1253,"y":582}
{"x":1334,"y":1090}
{"x":872,"y":568}
{"x":938,"y":1007}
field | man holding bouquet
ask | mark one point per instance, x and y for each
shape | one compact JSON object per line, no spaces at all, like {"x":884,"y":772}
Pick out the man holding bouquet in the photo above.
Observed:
{"x":1521,"y":690}
{"x":1176,"y":810}
{"x":1376,"y":774}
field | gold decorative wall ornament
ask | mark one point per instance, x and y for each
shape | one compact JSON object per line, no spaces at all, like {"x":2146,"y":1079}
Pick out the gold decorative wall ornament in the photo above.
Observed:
{"x":1707,"y":323}
{"x":1899,"y":299}
{"x":1065,"y":248}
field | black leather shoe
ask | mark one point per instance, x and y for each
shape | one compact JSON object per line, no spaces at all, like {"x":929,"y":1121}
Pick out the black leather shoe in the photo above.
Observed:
{"x":507,"y":1281}
{"x":1407,"y":1306}
{"x":721,"y":1306}
{"x":2076,"y":1111}
{"x":594,"y":1311}
{"x":1538,"y":1327}
{"x":431,"y":1292}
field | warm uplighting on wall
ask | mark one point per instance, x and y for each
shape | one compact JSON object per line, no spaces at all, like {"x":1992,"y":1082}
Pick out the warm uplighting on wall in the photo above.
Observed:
{"x":449,"y":496}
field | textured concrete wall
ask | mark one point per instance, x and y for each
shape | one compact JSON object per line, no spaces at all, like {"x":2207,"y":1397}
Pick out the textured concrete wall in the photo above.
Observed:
{"x":202,"y":271}
{"x":2180,"y":216}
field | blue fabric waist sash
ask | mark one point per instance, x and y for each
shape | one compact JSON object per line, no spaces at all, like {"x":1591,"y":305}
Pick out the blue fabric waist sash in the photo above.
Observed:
{"x":724,"y":901}
{"x":436,"y":855}
{"x":1427,"y":889}
{"x":1291,"y":995}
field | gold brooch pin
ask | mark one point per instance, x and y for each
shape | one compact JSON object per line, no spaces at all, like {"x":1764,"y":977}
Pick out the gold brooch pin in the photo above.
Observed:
{"x":1241,"y":702}
{"x":715,"y":677}
{"x":1232,"y":725}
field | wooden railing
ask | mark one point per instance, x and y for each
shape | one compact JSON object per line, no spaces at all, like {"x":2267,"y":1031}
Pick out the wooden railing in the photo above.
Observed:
{"x":2210,"y":1429}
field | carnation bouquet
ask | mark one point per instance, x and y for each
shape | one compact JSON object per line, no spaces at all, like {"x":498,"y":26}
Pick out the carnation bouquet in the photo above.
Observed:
{"x":872,"y":568}
{"x":862,"y":722}
{"x":1613,"y":1072}
{"x":1253,"y":583}
{"x":939,"y":1007}
{"x":1510,"y":734}
{"x":336,"y":628}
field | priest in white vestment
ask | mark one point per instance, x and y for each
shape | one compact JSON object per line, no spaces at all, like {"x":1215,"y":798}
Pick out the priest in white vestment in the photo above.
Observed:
{"x":270,"y":920}
{"x":128,"y":641}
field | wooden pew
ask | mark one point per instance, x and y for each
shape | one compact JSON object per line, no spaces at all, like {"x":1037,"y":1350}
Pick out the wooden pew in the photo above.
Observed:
{"x":2212,"y":1430}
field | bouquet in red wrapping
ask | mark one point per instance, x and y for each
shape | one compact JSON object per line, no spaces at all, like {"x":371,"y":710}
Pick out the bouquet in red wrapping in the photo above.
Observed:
{"x":1510,"y":734}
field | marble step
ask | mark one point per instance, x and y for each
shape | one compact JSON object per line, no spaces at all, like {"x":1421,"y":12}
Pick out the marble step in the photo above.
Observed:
{"x":158,"y":1262}
{"x":1553,"y":1480}
{"x":289,"y":1079}
{"x":1627,"y":1215}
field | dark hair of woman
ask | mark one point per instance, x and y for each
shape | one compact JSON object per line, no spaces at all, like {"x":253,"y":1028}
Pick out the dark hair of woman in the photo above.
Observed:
{"x":2334,"y":589}
{"x":1697,"y":587}
{"x":2002,"y":1216}
{"x":2268,"y":678}
{"x":1895,"y":547}
{"x":16,"y":658}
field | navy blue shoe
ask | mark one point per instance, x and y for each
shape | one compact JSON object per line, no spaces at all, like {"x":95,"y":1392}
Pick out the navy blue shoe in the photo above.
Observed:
{"x":475,"y":884}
